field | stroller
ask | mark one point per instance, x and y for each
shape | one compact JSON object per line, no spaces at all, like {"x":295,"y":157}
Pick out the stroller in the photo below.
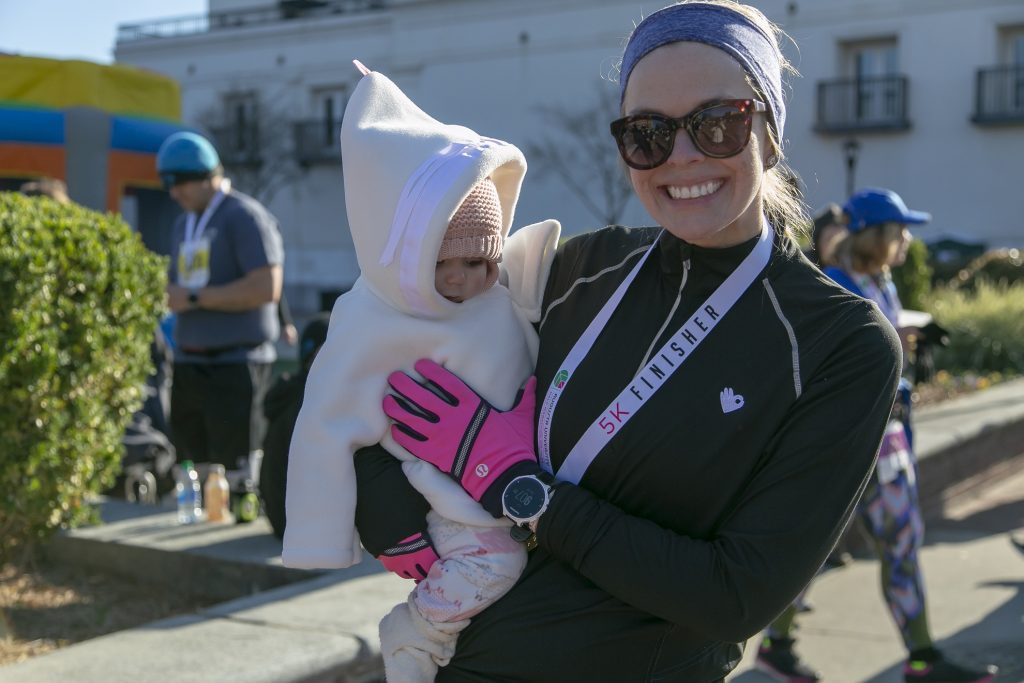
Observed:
{"x":147,"y":467}
{"x":148,"y":462}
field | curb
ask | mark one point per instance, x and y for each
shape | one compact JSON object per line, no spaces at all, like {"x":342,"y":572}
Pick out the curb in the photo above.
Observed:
{"x":319,"y":631}
{"x":967,"y":441}
{"x":222,"y":579}
{"x":145,"y":544}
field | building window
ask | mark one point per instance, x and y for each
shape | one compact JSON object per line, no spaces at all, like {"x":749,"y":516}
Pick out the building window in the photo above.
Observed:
{"x":1012,"y":46}
{"x":329,"y":104}
{"x":242,"y":123}
{"x":999,"y":90}
{"x":874,"y":68}
{"x":316,"y":139}
{"x":871,"y":93}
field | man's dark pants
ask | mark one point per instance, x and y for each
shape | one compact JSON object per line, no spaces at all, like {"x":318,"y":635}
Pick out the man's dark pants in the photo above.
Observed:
{"x":217,"y":411}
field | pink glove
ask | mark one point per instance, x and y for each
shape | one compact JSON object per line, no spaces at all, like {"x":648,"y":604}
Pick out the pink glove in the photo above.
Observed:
{"x":450,"y":426}
{"x":412,"y":558}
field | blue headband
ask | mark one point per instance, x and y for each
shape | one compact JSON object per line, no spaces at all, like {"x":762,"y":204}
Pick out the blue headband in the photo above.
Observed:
{"x":720,"y":27}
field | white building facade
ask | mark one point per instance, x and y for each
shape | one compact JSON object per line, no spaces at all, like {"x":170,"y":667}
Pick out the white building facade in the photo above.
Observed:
{"x":922,"y":96}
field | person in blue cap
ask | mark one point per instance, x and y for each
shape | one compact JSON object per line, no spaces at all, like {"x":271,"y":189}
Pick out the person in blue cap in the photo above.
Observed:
{"x":878,"y":235}
{"x":701,"y":388}
{"x":877,"y":238}
{"x":224,"y":282}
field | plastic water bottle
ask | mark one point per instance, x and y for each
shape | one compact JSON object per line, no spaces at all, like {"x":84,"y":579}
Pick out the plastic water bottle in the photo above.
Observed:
{"x":190,"y":497}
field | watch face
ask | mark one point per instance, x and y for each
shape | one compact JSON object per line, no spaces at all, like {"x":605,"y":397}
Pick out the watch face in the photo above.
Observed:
{"x":524,"y":498}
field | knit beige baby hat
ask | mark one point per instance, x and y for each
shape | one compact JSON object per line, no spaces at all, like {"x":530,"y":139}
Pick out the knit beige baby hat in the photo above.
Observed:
{"x":475,"y":229}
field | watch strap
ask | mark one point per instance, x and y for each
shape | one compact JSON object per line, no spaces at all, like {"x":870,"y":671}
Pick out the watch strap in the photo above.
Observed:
{"x":520,"y":534}
{"x":551,"y":496}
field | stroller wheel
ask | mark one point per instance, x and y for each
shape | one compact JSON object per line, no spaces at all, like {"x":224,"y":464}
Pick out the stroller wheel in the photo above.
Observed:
{"x":140,"y":487}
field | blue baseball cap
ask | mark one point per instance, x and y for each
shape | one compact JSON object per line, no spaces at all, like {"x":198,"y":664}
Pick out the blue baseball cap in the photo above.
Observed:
{"x":186,"y":156}
{"x":875,"y":206}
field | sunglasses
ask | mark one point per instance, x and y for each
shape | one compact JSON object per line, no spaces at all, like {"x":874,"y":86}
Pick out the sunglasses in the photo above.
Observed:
{"x":718,"y":130}
{"x":170,"y":180}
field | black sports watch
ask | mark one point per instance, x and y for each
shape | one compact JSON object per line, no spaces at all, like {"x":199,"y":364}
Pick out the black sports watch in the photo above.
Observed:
{"x":193,"y":298}
{"x":524,"y":500}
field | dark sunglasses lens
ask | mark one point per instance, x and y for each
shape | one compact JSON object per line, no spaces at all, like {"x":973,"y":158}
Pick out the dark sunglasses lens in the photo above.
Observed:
{"x":722,"y":131}
{"x":646,"y":141}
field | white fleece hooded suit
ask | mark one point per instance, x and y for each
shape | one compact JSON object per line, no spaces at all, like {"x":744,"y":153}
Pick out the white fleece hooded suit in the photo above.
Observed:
{"x":405,"y":176}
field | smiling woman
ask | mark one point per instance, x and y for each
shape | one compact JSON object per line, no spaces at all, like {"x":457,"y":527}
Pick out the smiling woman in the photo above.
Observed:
{"x":707,"y":200}
{"x":677,"y":523}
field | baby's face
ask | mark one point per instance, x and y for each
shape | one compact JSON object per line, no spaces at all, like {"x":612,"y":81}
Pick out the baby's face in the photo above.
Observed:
{"x":460,"y":279}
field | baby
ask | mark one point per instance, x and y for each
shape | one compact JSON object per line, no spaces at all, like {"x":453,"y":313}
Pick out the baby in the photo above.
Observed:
{"x":429,"y":208}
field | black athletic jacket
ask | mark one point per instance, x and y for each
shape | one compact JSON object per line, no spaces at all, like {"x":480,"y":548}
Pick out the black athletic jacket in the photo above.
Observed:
{"x":694,"y":527}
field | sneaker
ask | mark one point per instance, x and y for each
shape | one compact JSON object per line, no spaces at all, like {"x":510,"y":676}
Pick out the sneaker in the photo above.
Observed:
{"x":929,"y":666}
{"x":838,"y":558}
{"x":776,"y":658}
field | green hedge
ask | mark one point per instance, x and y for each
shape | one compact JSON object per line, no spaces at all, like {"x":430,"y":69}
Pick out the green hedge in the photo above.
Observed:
{"x":913,"y":279}
{"x":999,"y":267}
{"x":986,"y":328}
{"x":81,"y":297}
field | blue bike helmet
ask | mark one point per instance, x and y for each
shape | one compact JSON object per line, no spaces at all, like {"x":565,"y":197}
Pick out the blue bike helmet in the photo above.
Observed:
{"x":186,"y":156}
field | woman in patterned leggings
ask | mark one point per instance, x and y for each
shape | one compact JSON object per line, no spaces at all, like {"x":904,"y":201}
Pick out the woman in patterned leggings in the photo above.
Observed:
{"x":878,"y":238}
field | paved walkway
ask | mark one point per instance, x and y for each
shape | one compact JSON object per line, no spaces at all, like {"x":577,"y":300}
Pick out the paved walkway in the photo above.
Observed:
{"x":322,"y":627}
{"x":975,"y":582}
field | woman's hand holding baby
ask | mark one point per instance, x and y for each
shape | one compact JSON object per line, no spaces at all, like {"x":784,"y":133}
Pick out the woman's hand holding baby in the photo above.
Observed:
{"x":443,"y":421}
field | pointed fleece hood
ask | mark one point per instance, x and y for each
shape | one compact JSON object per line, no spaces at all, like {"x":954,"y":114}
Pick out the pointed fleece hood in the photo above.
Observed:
{"x":405,"y":176}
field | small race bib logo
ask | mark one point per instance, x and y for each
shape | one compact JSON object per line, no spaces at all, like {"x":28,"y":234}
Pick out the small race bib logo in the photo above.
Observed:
{"x":561,"y":378}
{"x":482,"y":470}
{"x":730,"y":401}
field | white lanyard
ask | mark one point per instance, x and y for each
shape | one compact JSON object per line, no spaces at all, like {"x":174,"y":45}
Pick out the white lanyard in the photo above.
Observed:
{"x":652,"y":376}
{"x":194,"y":231}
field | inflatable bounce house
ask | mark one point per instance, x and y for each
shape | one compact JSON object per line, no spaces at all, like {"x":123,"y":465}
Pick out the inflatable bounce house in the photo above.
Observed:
{"x":97,"y":128}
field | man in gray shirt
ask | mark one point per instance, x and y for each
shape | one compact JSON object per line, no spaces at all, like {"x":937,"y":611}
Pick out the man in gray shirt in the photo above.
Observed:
{"x":224,"y":284}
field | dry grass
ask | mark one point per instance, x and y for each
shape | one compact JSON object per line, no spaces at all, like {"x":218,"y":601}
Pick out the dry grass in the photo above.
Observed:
{"x":47,"y":607}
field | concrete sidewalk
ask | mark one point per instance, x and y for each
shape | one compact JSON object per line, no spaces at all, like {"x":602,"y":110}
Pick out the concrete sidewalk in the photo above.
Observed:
{"x":975,"y":582}
{"x":315,"y":626}
{"x":323,"y":627}
{"x":321,"y":630}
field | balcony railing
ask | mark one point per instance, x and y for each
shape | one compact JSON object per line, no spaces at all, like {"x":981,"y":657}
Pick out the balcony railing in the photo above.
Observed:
{"x":863,"y":105}
{"x":316,"y":142}
{"x":241,"y":18}
{"x":999,"y":95}
{"x":238,"y":146}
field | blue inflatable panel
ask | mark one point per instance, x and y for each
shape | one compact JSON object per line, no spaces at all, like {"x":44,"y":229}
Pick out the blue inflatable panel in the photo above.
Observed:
{"x":130,"y":134}
{"x":29,"y":125}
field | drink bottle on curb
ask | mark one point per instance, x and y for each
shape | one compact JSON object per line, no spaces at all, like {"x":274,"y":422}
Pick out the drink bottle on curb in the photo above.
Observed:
{"x":217,"y":494}
{"x":189,"y":493}
{"x":244,"y":483}
{"x":245,"y":503}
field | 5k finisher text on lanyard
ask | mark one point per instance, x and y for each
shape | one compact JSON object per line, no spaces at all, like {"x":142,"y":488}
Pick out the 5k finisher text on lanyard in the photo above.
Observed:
{"x":652,"y":376}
